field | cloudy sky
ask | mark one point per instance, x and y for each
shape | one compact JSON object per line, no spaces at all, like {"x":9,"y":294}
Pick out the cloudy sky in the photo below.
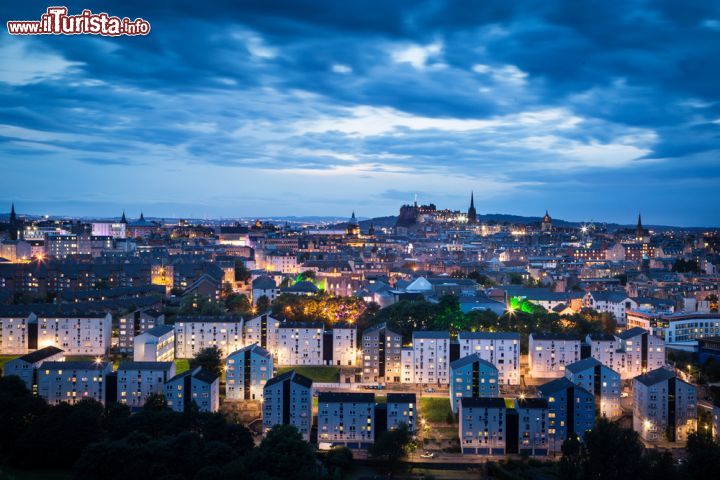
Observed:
{"x":592,"y":110}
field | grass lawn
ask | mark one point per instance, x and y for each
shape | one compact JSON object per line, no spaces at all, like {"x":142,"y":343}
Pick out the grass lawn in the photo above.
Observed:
{"x":181,"y":365}
{"x":316,"y":374}
{"x":434,"y":409}
{"x":6,"y":358}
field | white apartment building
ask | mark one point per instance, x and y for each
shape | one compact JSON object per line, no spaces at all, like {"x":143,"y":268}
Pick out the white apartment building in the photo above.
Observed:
{"x":664,"y":407}
{"x":262,"y":330}
{"x":346,"y":418}
{"x":431,"y":358}
{"x":14,"y":334}
{"x":136,"y":381}
{"x":73,"y":381}
{"x":549,"y":353}
{"x":643,"y":353}
{"x":247,"y":372}
{"x":288,"y":401}
{"x":341,"y":346}
{"x":26,"y":367}
{"x":499,"y":348}
{"x":617,"y":303}
{"x":89,"y":334}
{"x":193,"y":386}
{"x":677,"y":328}
{"x":155,"y":345}
{"x":193,"y":334}
{"x":407,"y":365}
{"x":299,"y":344}
{"x":401,"y":408}
{"x":602,"y":381}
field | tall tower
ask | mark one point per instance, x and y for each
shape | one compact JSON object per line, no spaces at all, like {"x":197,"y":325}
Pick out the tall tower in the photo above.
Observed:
{"x":639,"y":231}
{"x":546,"y":225}
{"x":14,"y":227}
{"x":472,"y":214}
{"x":353,"y":227}
{"x":123,"y":219}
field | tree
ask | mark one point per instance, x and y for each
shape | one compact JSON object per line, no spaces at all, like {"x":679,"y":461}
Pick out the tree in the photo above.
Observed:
{"x":155,"y":402}
{"x":210,"y":359}
{"x":238,"y":304}
{"x":338,"y":461}
{"x":283,"y":454}
{"x":242,"y":274}
{"x":613,"y":452}
{"x":393,"y":445}
{"x":263,"y":304}
{"x":573,"y":457}
{"x":308,"y":275}
{"x":703,"y":460}
{"x":194,"y":304}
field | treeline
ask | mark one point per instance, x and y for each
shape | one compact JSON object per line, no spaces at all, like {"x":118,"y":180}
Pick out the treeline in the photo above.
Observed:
{"x":107,"y":442}
{"x":408,"y":315}
{"x":610,"y":452}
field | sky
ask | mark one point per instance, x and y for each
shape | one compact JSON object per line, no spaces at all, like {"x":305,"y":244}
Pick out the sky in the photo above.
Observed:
{"x":593,"y":110}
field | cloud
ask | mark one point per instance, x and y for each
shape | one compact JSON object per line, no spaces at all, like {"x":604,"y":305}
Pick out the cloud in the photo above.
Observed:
{"x":21,"y":64}
{"x":527,"y":105}
{"x":417,"y":55}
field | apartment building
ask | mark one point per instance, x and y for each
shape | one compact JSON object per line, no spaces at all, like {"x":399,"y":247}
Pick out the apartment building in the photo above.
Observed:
{"x":431,"y":358}
{"x":155,"y":345}
{"x":197,"y":386}
{"x":247,"y":372}
{"x":602,"y":381}
{"x":472,"y":377}
{"x":288,"y":401}
{"x":664,"y":407}
{"x":136,"y":381}
{"x":346,"y":418}
{"x":502,"y":349}
{"x":571,"y":410}
{"x":26,"y":367}
{"x":381,"y":355}
{"x":193,"y":334}
{"x":401,"y":408}
{"x":549,"y":353}
{"x":71,"y":382}
{"x":135,"y":323}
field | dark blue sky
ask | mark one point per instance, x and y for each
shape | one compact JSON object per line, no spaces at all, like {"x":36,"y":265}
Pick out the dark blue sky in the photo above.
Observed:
{"x":592,"y":110}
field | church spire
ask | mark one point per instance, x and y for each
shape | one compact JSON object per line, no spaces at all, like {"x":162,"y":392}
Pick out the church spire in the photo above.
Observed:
{"x":142,"y":217}
{"x":639,"y":229}
{"x":123,"y":219}
{"x":13,"y":216}
{"x":472,"y":213}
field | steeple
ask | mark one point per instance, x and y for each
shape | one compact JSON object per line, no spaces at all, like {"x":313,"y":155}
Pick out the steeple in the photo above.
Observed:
{"x":142,"y":217}
{"x":639,"y":230}
{"x":472,"y":214}
{"x":13,"y":216}
{"x":123,"y":219}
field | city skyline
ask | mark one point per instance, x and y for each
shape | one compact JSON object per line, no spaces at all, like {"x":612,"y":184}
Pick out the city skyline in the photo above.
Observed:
{"x":258,"y":109}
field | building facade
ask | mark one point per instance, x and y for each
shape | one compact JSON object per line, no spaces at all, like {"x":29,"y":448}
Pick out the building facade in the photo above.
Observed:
{"x":472,"y":377}
{"x":346,"y":418}
{"x":603,"y":382}
{"x":197,"y":386}
{"x":549,"y":353}
{"x":664,"y":407}
{"x":136,"y":381}
{"x":247,"y":372}
{"x":499,"y":348}
{"x":71,"y":382}
{"x":381,"y":355}
{"x":288,"y":401}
